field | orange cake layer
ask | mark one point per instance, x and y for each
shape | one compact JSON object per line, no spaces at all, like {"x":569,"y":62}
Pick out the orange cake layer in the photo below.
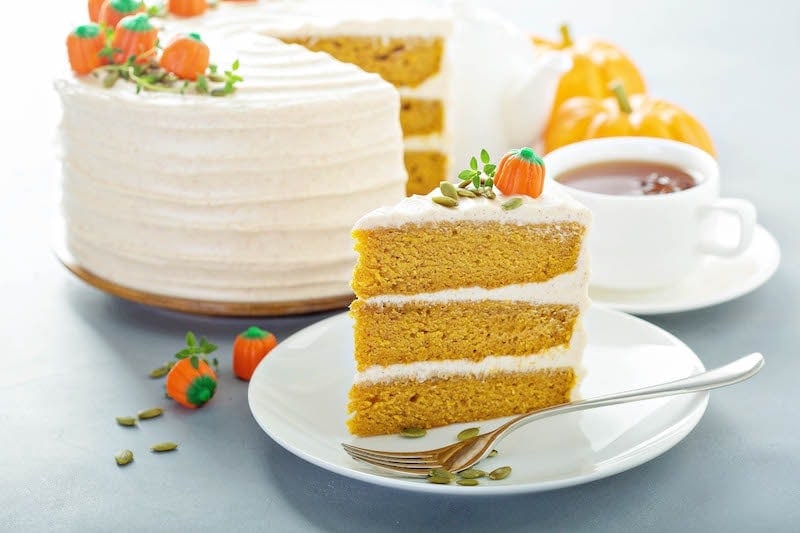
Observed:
{"x":426,"y":169}
{"x":424,"y":331}
{"x":403,"y":260}
{"x":402,"y":61}
{"x":420,"y":116}
{"x":389,"y":407}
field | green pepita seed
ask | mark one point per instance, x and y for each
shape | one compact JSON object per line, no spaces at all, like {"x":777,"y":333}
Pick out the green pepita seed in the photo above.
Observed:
{"x":468,"y":433}
{"x":413,"y":433}
{"x":449,"y":190}
{"x":150,"y":413}
{"x":126,"y":421}
{"x":123,"y":457}
{"x":164,"y":447}
{"x":439,"y":480}
{"x":472,"y":473}
{"x":500,"y":473}
{"x":441,"y":472}
{"x":467,"y":482}
{"x":465,"y":183}
{"x":445,"y":201}
{"x":490,"y":194}
{"x":160,"y":371}
{"x":492,"y":453}
{"x":466,"y":193}
{"x":513,"y":203}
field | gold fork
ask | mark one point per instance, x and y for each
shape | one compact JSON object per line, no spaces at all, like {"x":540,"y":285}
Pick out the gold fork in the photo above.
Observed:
{"x":467,"y":453}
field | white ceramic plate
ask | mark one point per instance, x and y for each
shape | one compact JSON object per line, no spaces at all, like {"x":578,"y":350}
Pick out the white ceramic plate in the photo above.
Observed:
{"x":714,"y":281}
{"x":298,"y":395}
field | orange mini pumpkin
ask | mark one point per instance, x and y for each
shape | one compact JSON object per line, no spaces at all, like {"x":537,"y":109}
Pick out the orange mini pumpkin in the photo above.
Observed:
{"x":84,"y":45}
{"x":187,"y":8}
{"x":112,"y":11}
{"x":186,"y":57}
{"x":639,"y":115}
{"x":520,"y":171}
{"x":249,"y":348}
{"x":191,"y":382}
{"x":134,"y":36}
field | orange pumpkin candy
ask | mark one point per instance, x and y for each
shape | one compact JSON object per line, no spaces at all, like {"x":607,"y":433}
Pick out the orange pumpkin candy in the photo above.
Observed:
{"x":191,"y":382}
{"x":187,"y":8}
{"x":113,"y":11}
{"x":84,"y":45}
{"x":520,"y":171}
{"x":249,"y":348}
{"x":93,"y":7}
{"x":186,"y":57}
{"x":134,"y":36}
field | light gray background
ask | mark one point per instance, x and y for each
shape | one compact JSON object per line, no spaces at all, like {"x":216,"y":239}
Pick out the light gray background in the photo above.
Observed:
{"x":74,"y":358}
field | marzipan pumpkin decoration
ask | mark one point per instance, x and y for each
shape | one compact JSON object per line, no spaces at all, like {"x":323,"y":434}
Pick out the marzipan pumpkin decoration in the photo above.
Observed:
{"x":186,"y":57}
{"x":640,"y":115}
{"x":84,"y":45}
{"x":520,"y":171}
{"x":187,"y":8}
{"x":249,"y":348}
{"x":191,"y":382}
{"x":94,"y":9}
{"x":113,"y":11}
{"x":134,"y":36}
{"x":594,"y":65}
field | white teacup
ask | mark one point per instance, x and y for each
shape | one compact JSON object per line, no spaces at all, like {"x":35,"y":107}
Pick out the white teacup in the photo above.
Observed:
{"x":650,"y":241}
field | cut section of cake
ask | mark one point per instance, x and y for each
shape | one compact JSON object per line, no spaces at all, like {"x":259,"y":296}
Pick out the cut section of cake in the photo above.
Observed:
{"x":467,"y":312}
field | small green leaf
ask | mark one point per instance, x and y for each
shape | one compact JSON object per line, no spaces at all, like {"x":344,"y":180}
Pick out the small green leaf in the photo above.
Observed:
{"x":465,"y":174}
{"x":489,"y":183}
{"x":485,"y":156}
{"x":473,"y":163}
{"x":212,"y":68}
{"x":489,"y":169}
{"x":202,"y":84}
{"x":191,"y":340}
{"x":235,"y":65}
{"x":183,"y":354}
{"x":195,"y":361}
{"x":476,"y":180}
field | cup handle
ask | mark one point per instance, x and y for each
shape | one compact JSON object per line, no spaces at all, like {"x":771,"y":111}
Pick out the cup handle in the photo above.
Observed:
{"x":745,"y":212}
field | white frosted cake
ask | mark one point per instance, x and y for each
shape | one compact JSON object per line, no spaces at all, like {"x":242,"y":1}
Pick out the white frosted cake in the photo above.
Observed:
{"x":467,"y":311}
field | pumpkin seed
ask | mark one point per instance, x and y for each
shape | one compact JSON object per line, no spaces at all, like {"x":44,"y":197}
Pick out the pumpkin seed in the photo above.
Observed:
{"x":492,"y":453}
{"x":472,"y":473}
{"x":449,"y":190}
{"x":439,"y":480}
{"x":413,"y":433}
{"x":467,"y":482}
{"x":490,"y":194}
{"x":500,"y":473}
{"x":150,"y":413}
{"x":446,"y":201}
{"x":126,"y":421}
{"x":465,"y":193}
{"x":468,"y":433}
{"x":161,"y":371}
{"x":164,"y":446}
{"x":513,"y":203}
{"x":441,"y":472}
{"x":123,"y":457}
{"x":465,"y":183}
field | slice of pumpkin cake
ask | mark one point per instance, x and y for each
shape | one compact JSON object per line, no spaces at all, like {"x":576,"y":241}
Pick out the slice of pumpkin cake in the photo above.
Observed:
{"x":469,"y":300}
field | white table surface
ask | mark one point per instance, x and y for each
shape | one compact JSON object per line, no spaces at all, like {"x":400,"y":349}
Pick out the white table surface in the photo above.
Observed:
{"x":74,"y":358}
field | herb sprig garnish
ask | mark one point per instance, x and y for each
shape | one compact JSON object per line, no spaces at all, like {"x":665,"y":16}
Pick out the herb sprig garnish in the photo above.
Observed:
{"x":474,"y":175}
{"x":196,"y":350}
{"x":475,"y":181}
{"x":150,"y":76}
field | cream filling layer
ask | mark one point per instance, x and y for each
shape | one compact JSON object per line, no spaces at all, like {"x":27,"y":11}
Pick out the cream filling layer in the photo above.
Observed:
{"x":435,"y":142}
{"x":558,"y":357}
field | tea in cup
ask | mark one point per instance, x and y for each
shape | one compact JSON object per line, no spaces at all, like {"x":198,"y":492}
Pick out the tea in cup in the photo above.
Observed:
{"x":653,"y":202}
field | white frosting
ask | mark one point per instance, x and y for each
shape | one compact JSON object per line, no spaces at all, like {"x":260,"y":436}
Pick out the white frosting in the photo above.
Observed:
{"x":558,"y":357}
{"x":552,"y":206}
{"x":249,"y":197}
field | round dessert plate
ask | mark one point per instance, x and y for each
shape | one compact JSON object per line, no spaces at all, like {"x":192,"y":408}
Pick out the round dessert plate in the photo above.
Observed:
{"x":201,"y":307}
{"x":714,"y":281}
{"x":298,"y":395}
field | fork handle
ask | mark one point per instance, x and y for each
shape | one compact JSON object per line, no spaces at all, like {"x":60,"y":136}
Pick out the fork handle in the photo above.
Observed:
{"x":733,"y":372}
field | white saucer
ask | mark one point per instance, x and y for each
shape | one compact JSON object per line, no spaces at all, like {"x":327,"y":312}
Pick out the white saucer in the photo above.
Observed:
{"x":716,"y":280}
{"x":298,"y":395}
